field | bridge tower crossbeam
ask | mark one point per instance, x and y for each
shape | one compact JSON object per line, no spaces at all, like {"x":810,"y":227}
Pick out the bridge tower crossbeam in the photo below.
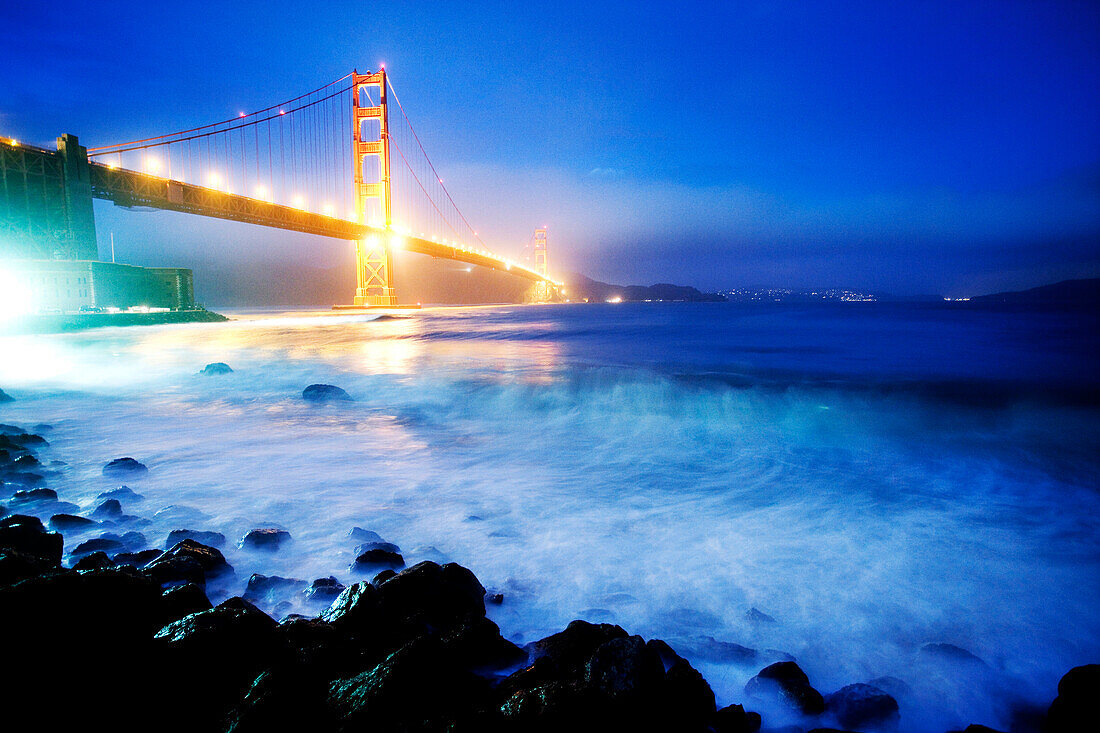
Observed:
{"x":373,"y":258}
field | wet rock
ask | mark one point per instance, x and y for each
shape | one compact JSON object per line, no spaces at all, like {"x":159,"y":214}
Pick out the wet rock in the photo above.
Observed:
{"x":863,"y":706}
{"x":323,"y":591}
{"x":477,"y":644}
{"x":178,"y":564}
{"x":215,"y":368}
{"x":288,"y":697}
{"x":71,"y":522}
{"x":713,"y":650}
{"x":5,"y":397}
{"x":122,"y":493}
{"x":382,"y":577}
{"x":734,"y":719}
{"x":26,"y":535}
{"x":364,"y":535}
{"x":415,"y":688}
{"x":125,"y":467}
{"x":93,"y":561}
{"x":214,"y":656}
{"x":687,"y":690}
{"x":357,"y":606}
{"x":440,"y":595}
{"x":571,"y":648}
{"x":1077,"y":706}
{"x":386,"y":546}
{"x":624,"y":667}
{"x":321,"y":393}
{"x":785,"y":683}
{"x":99,"y":544}
{"x":975,"y":728}
{"x":109,"y":509}
{"x":27,"y":479}
{"x":183,"y":600}
{"x":271,"y":589}
{"x":495,"y":598}
{"x":31,"y":496}
{"x":136,"y":559}
{"x":374,"y":559}
{"x":17,"y":566}
{"x":756,"y":616}
{"x":210,"y":539}
{"x":268,"y":539}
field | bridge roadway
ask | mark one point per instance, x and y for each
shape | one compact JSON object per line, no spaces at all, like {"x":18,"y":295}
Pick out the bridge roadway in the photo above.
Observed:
{"x":132,"y":188}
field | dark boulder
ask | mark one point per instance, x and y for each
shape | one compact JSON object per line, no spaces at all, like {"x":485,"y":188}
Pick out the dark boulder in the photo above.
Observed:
{"x":125,"y":467}
{"x":321,"y":393}
{"x":863,"y":706}
{"x":288,"y":697}
{"x":26,"y":535}
{"x":17,"y":566}
{"x":94,"y":561}
{"x":210,"y":539}
{"x":377,"y":545}
{"x":215,"y":368}
{"x":785,"y":683}
{"x":99,"y":544}
{"x":382,"y":577}
{"x":1077,"y":707}
{"x":122,"y":493}
{"x":571,"y":648}
{"x":67,"y":522}
{"x":734,"y":719}
{"x":178,"y":565}
{"x":441,"y":596}
{"x":183,"y":600}
{"x":323,"y":591}
{"x":270,"y":589}
{"x":31,"y":496}
{"x":138,"y":559}
{"x":109,"y":509}
{"x":623,"y":667}
{"x":372,"y":560}
{"x":495,"y":599}
{"x":27,"y":479}
{"x":268,"y":539}
{"x":357,"y":607}
{"x":477,"y":644}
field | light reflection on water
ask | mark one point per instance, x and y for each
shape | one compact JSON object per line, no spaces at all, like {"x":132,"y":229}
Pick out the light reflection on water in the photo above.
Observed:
{"x":621,"y":465}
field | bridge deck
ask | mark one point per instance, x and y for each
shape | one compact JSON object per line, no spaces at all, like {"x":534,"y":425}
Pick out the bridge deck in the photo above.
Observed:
{"x":131,"y":188}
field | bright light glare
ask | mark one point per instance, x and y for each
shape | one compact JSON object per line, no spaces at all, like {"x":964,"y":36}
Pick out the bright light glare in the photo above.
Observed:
{"x":15,"y":297}
{"x":152,"y":165}
{"x":213,"y":179}
{"x":397,"y":241}
{"x":299,"y":202}
{"x":328,"y":209}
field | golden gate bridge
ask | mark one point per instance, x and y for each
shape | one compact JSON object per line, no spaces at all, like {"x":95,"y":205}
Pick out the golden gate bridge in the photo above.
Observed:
{"x":332,"y":162}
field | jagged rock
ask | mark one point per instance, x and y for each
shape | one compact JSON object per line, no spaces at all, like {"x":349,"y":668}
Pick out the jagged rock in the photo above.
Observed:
{"x":210,"y":539}
{"x":109,"y":509}
{"x":477,"y":644}
{"x":99,"y":544}
{"x":66,"y":522}
{"x":357,"y":606}
{"x":321,"y":393}
{"x":734,"y":719}
{"x":122,"y":493}
{"x":289,"y":697}
{"x":787,"y":684}
{"x":26,"y":535}
{"x":415,"y":688}
{"x":270,"y":589}
{"x":624,"y":667}
{"x":126,"y":466}
{"x":1077,"y":707}
{"x":17,"y":566}
{"x":93,"y":561}
{"x":382,"y":577}
{"x":377,"y":545}
{"x":713,"y":650}
{"x":30,"y":496}
{"x":364,"y":535}
{"x":440,"y":595}
{"x":189,"y":562}
{"x":137,"y":559}
{"x":374,"y":559}
{"x":686,"y":689}
{"x":571,"y":648}
{"x":863,"y":706}
{"x":269,"y":539}
{"x":323,"y":590}
{"x":183,"y":600}
{"x":216,"y":368}
{"x":243,"y":641}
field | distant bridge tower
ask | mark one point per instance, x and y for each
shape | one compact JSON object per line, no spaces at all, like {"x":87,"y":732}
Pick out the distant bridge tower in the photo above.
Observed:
{"x":542,"y":288}
{"x":373,"y":259}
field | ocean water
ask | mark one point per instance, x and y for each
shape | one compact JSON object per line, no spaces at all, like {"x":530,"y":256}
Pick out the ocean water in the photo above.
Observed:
{"x":874,"y":477}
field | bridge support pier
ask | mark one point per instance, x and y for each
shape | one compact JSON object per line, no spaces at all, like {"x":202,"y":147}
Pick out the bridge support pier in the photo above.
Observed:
{"x":374,"y":273}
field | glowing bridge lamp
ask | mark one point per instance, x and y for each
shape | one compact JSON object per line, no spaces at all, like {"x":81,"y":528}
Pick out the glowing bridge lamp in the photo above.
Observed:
{"x":299,"y":202}
{"x":328,"y":210}
{"x":213,"y":179}
{"x":261,"y":192}
{"x":152,"y":165}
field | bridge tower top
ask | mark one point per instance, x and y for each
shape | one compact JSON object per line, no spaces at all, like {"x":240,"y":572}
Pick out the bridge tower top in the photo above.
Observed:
{"x":541,"y":266}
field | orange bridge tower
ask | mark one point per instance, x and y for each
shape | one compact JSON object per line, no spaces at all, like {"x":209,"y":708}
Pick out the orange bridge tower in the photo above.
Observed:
{"x":373,"y":259}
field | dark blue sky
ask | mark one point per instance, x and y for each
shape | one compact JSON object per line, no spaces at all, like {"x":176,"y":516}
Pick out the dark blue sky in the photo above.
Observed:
{"x":946,"y":147}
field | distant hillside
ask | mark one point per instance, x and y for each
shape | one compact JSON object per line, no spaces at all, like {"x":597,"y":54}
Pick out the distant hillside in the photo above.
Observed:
{"x":1067,"y":292}
{"x":579,"y":287}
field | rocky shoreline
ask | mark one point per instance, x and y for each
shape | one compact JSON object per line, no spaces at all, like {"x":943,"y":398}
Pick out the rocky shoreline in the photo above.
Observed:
{"x":120,"y":634}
